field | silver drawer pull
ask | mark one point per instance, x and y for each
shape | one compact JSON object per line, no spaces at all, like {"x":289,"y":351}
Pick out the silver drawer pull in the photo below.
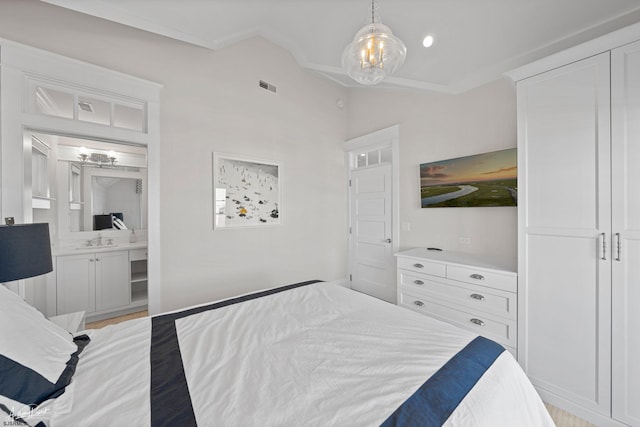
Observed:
{"x":477,"y":322}
{"x":418,"y":303}
{"x":477,"y":296}
{"x":418,"y":265}
{"x":418,"y":282}
{"x":477,"y":276}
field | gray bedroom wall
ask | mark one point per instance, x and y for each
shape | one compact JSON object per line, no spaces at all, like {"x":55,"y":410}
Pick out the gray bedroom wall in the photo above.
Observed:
{"x":437,"y":127}
{"x":210,"y":102}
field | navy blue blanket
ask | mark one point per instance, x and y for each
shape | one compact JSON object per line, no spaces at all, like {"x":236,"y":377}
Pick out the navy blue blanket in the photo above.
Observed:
{"x":438,"y":397}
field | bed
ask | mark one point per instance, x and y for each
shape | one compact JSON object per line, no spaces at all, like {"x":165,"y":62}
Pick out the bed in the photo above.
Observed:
{"x":308,"y":354}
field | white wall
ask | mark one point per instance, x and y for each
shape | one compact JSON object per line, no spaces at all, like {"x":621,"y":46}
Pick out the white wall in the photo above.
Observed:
{"x":211,"y":102}
{"x":437,"y":127}
{"x":300,"y":126}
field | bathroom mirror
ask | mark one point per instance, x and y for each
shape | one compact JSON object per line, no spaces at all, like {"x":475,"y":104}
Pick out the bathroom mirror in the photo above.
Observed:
{"x":96,"y":185}
{"x":113,"y":199}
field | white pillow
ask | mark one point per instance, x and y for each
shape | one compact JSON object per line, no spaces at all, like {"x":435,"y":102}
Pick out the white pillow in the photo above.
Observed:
{"x":37,"y":357}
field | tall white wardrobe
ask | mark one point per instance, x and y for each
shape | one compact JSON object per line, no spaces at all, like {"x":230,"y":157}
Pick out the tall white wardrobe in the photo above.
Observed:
{"x":579,"y":227}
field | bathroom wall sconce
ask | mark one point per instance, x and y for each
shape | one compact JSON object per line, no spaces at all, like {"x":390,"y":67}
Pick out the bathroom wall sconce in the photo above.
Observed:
{"x":97,"y":158}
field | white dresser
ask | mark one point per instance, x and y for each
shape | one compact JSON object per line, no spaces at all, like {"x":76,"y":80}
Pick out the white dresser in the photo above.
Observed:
{"x":470,"y":291}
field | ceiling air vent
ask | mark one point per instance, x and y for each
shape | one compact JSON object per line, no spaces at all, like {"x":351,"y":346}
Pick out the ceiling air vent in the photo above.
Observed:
{"x":85,"y":106}
{"x":267,"y":86}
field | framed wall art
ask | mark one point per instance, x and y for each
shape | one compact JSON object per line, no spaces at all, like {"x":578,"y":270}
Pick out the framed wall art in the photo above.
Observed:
{"x":482,"y":180}
{"x":246,"y":192}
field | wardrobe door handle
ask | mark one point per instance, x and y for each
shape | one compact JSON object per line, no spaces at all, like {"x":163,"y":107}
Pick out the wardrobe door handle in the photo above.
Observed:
{"x":618,"y":247}
{"x":604,"y":246}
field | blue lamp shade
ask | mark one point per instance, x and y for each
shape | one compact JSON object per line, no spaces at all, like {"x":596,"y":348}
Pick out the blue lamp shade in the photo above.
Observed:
{"x":25,"y":251}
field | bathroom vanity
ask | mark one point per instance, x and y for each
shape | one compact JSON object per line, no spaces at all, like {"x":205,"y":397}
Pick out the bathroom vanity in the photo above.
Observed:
{"x":103,"y":281}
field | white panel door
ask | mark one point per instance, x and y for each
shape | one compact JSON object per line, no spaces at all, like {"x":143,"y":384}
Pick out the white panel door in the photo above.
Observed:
{"x":372,"y":261}
{"x":565,"y":271}
{"x":113,"y":283}
{"x":625,"y":151}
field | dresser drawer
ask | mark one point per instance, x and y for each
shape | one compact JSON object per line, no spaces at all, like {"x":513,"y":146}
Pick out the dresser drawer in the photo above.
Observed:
{"x":477,"y":298}
{"x":482,"y":277}
{"x":502,"y":331}
{"x":137,"y":254}
{"x":421,"y":266}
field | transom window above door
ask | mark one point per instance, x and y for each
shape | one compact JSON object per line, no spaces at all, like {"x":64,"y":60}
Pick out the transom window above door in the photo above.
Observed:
{"x":67,"y":102}
{"x":362,"y":159}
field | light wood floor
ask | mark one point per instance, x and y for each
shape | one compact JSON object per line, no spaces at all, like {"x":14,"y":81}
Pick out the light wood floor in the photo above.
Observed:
{"x":560,"y":417}
{"x":565,"y":419}
{"x":114,"y":320}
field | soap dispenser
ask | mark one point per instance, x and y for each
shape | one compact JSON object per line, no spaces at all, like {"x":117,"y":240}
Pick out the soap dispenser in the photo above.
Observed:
{"x":132,"y":236}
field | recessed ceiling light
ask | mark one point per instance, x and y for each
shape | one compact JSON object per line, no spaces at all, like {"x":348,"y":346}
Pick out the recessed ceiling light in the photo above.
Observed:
{"x":428,"y":41}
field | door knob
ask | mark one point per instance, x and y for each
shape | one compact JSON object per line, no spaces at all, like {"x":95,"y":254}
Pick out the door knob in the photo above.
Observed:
{"x":387,"y":240}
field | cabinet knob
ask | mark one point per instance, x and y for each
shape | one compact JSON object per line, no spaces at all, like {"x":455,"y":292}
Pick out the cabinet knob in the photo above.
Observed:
{"x":418,"y":265}
{"x":477,"y":276}
{"x":418,"y":303}
{"x":477,"y":296}
{"x":477,"y":322}
{"x":418,"y":282}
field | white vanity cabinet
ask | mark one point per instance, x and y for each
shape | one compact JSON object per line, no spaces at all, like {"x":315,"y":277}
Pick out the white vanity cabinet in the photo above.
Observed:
{"x":112,"y":280}
{"x":92,"y":282}
{"x":470,"y":291}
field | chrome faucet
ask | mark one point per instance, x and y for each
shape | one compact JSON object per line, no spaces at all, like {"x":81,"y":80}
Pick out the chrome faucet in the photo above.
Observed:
{"x":97,"y":241}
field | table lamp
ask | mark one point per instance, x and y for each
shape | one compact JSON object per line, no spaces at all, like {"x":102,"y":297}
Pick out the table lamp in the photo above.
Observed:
{"x":25,"y":251}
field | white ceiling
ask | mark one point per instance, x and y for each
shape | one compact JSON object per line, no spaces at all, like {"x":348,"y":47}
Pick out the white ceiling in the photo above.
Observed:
{"x":476,"y":40}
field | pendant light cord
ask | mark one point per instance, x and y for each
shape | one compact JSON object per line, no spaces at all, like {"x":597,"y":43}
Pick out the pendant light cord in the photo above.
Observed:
{"x":373,"y":18}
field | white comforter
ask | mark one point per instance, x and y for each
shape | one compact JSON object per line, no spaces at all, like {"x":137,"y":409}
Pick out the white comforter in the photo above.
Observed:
{"x":318,"y":355}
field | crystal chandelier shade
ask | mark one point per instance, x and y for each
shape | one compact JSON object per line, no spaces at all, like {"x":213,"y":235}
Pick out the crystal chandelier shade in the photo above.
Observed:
{"x":374,"y":53}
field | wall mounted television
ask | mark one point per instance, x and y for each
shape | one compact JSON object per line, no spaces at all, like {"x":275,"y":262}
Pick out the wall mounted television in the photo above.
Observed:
{"x":481,"y":180}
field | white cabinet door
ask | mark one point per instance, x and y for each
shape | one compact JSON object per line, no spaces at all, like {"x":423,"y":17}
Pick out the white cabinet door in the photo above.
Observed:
{"x":625,"y":98}
{"x":113,"y":286}
{"x":564,"y":218}
{"x":75,"y":278}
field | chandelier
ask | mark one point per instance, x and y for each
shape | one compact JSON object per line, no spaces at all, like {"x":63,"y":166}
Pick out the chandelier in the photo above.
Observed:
{"x":374,"y":53}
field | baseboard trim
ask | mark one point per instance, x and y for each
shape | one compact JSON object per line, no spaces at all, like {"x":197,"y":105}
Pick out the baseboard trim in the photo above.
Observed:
{"x":344,"y":282}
